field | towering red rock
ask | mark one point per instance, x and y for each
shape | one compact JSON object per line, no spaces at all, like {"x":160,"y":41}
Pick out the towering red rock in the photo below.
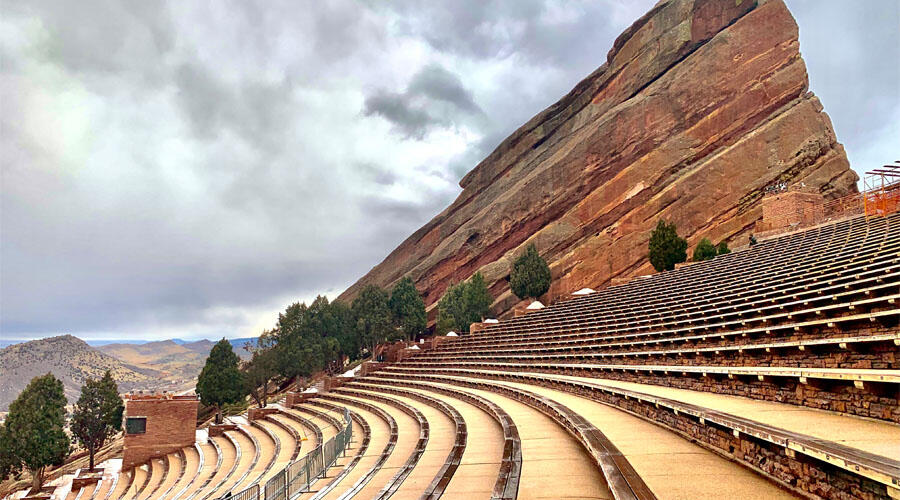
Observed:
{"x":700,"y":106}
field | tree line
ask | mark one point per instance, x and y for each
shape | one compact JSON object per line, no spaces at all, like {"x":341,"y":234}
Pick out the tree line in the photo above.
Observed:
{"x":308,"y":339}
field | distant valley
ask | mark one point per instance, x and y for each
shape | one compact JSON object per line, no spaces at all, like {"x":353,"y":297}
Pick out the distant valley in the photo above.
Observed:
{"x":171,"y":365}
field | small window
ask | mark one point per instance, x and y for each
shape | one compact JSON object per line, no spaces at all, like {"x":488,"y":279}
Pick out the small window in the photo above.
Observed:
{"x":135,"y":425}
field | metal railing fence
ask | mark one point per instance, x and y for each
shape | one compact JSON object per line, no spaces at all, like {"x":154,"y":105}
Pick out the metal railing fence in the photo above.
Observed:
{"x":299,"y":475}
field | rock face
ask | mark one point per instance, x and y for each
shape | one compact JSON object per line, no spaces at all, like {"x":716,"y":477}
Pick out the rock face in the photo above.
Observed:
{"x":700,"y":106}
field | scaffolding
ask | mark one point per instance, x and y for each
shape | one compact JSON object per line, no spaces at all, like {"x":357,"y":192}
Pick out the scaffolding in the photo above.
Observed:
{"x":880,"y":195}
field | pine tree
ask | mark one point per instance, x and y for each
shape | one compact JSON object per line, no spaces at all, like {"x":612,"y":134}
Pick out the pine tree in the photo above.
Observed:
{"x":98,"y":414}
{"x":463,"y":304}
{"x":530,"y":275}
{"x":451,"y":309}
{"x":477,"y":300}
{"x":666,"y":248}
{"x":704,"y":251}
{"x":408,"y":308}
{"x":220,"y":382}
{"x":372,"y":316}
{"x":260,"y":370}
{"x":33,"y":435}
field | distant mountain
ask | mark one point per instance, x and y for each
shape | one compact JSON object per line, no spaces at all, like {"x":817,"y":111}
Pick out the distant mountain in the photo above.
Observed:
{"x":180,"y":361}
{"x":175,"y":358}
{"x":238,"y":346}
{"x":72,"y":360}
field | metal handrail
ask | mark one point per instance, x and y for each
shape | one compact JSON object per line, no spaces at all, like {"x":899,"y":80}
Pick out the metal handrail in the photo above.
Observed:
{"x":299,"y":475}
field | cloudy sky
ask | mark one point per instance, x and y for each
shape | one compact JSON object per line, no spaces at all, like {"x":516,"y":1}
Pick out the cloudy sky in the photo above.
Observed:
{"x":186,"y":169}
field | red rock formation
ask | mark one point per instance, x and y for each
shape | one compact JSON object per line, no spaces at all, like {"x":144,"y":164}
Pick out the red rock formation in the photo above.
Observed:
{"x":700,"y":105}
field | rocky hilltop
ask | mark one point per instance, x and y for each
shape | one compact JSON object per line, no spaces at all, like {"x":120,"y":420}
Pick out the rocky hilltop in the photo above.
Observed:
{"x":69,"y":358}
{"x":175,"y":361}
{"x":72,"y":361}
{"x":700,"y":106}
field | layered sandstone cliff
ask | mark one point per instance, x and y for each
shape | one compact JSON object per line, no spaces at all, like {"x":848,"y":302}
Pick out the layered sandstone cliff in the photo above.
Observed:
{"x":700,"y":106}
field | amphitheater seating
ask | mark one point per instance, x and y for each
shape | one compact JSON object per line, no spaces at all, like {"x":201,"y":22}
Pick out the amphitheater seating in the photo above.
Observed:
{"x":771,"y":372}
{"x":739,"y":355}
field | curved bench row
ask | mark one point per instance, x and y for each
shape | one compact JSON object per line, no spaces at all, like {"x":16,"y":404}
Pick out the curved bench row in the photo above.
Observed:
{"x":307,"y":424}
{"x":360,"y":452}
{"x":762,"y":447}
{"x":620,"y":477}
{"x":385,"y":454}
{"x":418,"y":450}
{"x":508,"y":478}
{"x":645,"y":295}
{"x":855,"y":395}
{"x":195,"y":459}
{"x":452,"y":462}
{"x":230,"y":452}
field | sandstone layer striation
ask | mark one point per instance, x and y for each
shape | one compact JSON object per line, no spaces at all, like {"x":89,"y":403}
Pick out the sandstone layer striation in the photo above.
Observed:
{"x":700,"y":106}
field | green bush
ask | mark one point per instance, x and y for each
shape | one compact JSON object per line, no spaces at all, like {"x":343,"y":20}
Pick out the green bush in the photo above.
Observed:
{"x":666,"y":248}
{"x":530,"y":275}
{"x":704,"y":251}
{"x":722,"y":248}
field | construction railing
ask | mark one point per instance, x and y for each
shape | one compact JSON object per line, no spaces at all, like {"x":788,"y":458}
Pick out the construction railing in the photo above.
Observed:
{"x":880,"y":195}
{"x":298,"y":475}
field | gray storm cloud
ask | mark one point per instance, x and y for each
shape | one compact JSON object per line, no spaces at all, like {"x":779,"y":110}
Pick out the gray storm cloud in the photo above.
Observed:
{"x":187,"y":169}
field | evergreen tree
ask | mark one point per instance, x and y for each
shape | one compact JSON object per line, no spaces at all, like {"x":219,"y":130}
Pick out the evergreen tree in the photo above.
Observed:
{"x":666,"y":248}
{"x":530,"y":275}
{"x":297,"y":352}
{"x":98,"y":414}
{"x":221,"y":382}
{"x":722,"y":248}
{"x":477,"y":299}
{"x":372,"y":316}
{"x":704,"y":251}
{"x":261,"y":369}
{"x":408,"y":308}
{"x":451,"y":309}
{"x":32,"y":436}
{"x":463,"y":304}
{"x":342,"y":328}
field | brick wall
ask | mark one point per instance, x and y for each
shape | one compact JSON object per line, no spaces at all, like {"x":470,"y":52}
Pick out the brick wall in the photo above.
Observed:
{"x":170,"y":425}
{"x":791,"y":210}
